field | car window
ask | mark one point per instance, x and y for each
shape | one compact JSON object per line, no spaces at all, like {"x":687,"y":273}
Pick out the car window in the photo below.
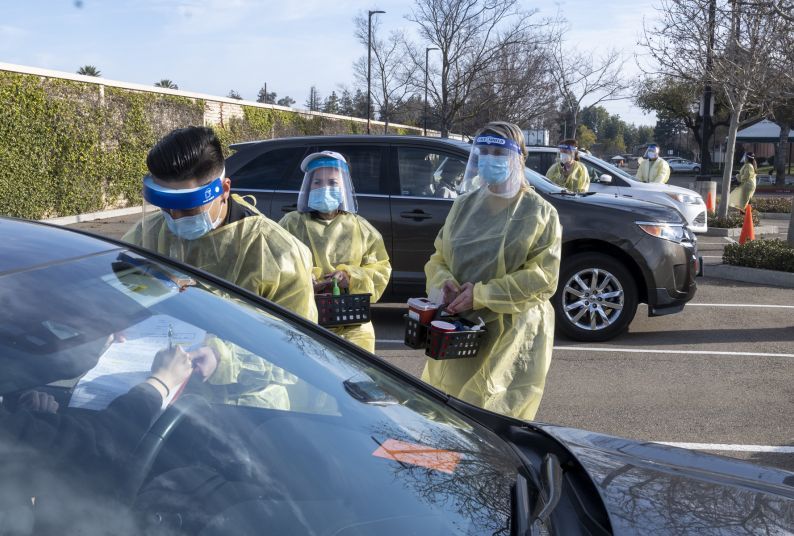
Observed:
{"x":617,"y":174}
{"x":278,"y":413}
{"x":365,"y":165}
{"x":271,"y":170}
{"x":429,"y":173}
{"x":593,"y":171}
{"x":536,"y":162}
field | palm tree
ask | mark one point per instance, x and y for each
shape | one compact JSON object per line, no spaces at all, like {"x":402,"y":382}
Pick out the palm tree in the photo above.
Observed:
{"x":89,"y":70}
{"x":166,"y":83}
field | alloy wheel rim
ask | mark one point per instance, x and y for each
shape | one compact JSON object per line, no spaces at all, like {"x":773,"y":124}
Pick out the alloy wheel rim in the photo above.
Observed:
{"x":593,"y":299}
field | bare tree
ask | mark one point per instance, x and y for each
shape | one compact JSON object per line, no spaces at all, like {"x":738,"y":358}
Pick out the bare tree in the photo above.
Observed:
{"x":746,"y":57}
{"x":314,"y":102}
{"x":585,"y":76}
{"x":518,"y":87}
{"x":470,"y":36}
{"x":391,"y":74}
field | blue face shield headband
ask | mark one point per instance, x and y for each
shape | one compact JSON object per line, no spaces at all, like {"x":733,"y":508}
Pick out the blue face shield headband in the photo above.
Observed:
{"x":326,"y":163}
{"x":174,"y":199}
{"x":497,"y":141}
{"x":571,"y":148}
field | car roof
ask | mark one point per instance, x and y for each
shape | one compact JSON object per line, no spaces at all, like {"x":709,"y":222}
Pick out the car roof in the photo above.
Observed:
{"x":349,"y":138}
{"x":29,"y":244}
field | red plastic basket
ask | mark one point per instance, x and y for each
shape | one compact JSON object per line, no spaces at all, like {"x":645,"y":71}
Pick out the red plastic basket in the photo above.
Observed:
{"x":342,"y":310}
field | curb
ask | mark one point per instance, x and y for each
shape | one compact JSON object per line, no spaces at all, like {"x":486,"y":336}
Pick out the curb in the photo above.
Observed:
{"x":91,"y":216}
{"x":736,"y":231}
{"x":750,"y":275}
{"x":774,"y":215}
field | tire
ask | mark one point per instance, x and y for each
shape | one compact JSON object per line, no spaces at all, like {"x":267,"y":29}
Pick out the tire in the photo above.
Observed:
{"x":604,"y":319}
{"x":696,"y":169}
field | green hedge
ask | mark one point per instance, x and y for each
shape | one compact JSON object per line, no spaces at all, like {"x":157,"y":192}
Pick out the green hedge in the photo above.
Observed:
{"x":771,"y":204}
{"x":68,"y":148}
{"x":734,"y":219}
{"x":766,"y":254}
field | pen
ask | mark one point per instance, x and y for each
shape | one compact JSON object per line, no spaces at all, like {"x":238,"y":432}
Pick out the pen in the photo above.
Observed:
{"x":170,"y":336}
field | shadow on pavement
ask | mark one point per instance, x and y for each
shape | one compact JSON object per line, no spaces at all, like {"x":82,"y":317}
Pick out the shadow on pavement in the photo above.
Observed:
{"x":700,"y":336}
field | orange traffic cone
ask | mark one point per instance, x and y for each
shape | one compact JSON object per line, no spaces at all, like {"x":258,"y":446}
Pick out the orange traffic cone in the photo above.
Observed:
{"x":748,"y":232}
{"x":710,"y":203}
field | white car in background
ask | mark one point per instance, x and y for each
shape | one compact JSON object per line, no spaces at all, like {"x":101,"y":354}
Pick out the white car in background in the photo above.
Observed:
{"x":681,"y":164}
{"x":609,"y":179}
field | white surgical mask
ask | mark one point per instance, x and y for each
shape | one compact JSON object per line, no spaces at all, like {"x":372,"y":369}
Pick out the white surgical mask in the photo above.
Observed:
{"x":565,"y":158}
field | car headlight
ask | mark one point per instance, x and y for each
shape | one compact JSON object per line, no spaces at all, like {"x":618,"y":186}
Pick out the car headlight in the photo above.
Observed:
{"x":686,"y":198}
{"x":673,"y":232}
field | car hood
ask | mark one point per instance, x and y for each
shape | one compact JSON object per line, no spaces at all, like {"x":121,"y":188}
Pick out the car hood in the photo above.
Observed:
{"x":663,"y":188}
{"x":658,"y":489}
{"x":637,"y":208}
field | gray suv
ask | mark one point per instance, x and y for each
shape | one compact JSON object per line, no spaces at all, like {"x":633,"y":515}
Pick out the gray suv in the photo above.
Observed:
{"x":616,"y":252}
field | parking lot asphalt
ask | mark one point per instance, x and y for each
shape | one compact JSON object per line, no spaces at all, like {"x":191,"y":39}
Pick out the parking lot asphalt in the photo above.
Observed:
{"x":718,"y":376}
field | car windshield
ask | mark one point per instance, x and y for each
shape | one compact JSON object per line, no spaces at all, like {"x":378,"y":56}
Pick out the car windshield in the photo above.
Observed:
{"x":279,"y":426}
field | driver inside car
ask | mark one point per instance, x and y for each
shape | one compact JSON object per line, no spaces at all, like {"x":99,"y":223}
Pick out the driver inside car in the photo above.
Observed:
{"x":113,"y":432}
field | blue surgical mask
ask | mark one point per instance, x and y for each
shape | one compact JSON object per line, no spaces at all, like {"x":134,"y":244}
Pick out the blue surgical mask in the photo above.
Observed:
{"x":652,"y":155}
{"x":494,"y":169}
{"x":325,"y":199}
{"x":191,"y":227}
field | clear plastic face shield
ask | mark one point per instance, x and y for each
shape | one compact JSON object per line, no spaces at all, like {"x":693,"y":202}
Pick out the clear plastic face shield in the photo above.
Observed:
{"x":567,"y":153}
{"x":327,"y":186}
{"x":652,"y":152}
{"x":176,"y":215}
{"x":495,"y":163}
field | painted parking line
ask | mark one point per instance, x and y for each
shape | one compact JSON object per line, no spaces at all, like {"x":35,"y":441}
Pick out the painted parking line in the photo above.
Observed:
{"x":756,"y":305}
{"x":729,"y":447}
{"x":672,"y":352}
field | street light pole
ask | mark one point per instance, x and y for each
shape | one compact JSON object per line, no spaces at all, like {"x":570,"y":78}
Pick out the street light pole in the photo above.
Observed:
{"x":369,"y":66}
{"x":427,"y":55}
{"x":706,"y":129}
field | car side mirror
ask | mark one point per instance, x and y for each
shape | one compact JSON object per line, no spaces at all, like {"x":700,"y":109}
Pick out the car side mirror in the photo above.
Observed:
{"x":605,"y":179}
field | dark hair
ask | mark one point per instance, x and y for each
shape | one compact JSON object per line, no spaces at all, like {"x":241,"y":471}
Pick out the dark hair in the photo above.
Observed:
{"x":186,"y":153}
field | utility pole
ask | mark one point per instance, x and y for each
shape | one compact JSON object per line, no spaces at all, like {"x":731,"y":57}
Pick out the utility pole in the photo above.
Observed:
{"x":369,"y":66}
{"x":427,"y":56}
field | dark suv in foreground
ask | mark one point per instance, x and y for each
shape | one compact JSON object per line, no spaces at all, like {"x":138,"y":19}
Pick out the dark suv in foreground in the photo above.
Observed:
{"x":617,"y":252}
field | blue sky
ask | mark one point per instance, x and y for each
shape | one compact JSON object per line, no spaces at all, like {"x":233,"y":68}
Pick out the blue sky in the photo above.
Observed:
{"x":212,"y":46}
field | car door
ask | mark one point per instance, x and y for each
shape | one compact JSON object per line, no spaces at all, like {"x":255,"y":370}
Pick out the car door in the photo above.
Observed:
{"x":266,"y":173}
{"x":423,"y":177}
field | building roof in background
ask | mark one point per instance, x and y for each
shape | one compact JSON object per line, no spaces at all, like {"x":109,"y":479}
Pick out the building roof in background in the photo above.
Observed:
{"x":764,"y":131}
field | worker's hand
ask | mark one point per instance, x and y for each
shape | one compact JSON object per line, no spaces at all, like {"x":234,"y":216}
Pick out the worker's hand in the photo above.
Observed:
{"x":449,"y":291}
{"x":172,"y":366}
{"x":321,"y":287}
{"x":342,"y":278}
{"x":464,"y":301}
{"x":205,"y":361}
{"x":38,"y":401}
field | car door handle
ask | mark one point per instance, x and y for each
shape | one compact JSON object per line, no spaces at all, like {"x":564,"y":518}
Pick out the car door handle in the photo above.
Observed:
{"x":289,"y":208}
{"x":417,"y":215}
